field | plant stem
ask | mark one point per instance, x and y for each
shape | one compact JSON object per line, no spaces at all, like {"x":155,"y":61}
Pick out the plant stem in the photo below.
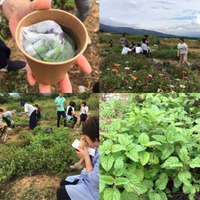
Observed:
{"x":136,"y":192}
{"x":105,"y":119}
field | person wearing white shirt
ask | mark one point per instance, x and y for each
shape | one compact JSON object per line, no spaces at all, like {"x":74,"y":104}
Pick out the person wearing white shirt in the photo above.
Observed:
{"x":9,"y":114}
{"x":84,"y":112}
{"x":138,"y":49}
{"x":30,"y":111}
{"x":182,"y":51}
{"x":125,"y":50}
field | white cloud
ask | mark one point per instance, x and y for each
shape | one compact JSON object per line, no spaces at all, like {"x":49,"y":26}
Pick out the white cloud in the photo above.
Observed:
{"x":165,"y":15}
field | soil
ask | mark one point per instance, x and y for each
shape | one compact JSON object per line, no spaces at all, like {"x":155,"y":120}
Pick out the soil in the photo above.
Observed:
{"x":17,"y":82}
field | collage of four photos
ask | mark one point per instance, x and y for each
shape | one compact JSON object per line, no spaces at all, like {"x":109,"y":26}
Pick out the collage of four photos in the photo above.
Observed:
{"x":99,"y":100}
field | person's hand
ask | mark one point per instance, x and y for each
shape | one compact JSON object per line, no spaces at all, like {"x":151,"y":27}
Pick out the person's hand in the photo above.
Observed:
{"x":83,"y":153}
{"x":178,"y":55}
{"x":14,"y":11}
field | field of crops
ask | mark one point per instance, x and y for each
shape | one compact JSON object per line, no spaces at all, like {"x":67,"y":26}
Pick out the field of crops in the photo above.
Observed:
{"x":150,"y":147}
{"x":32,"y":163}
{"x":130,"y":73}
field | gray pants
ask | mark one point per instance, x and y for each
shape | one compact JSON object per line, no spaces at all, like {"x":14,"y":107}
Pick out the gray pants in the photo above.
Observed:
{"x":83,"y":8}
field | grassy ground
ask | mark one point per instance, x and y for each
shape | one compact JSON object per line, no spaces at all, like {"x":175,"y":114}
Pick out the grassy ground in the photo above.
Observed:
{"x":128,"y":73}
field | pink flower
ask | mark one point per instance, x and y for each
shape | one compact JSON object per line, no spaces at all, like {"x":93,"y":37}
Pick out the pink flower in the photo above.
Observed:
{"x":163,"y":75}
{"x":122,"y":73}
{"x":149,"y":76}
{"x":185,"y":77}
{"x":167,"y":77}
{"x":163,"y":70}
{"x":184,"y":72}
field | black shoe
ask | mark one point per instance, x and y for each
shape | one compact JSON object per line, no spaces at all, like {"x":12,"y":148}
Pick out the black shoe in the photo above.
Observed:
{"x":15,"y":65}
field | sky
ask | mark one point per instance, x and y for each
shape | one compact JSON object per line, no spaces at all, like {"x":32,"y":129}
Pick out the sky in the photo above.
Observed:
{"x":177,"y":17}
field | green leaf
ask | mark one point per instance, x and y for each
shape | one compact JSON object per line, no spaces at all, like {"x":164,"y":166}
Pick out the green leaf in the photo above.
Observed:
{"x":140,"y":174}
{"x":154,"y":196}
{"x":172,"y":163}
{"x":134,"y":182}
{"x":163,"y":195}
{"x":152,"y":143}
{"x":187,"y":189}
{"x":183,"y":154}
{"x":129,"y":196}
{"x":170,"y":136}
{"x":160,"y":138}
{"x":167,"y":152}
{"x":148,"y":183}
{"x":101,"y":187}
{"x":117,"y":147}
{"x":161,"y":183}
{"x":155,"y":161}
{"x":184,"y":176}
{"x":197,"y":121}
{"x":178,"y":138}
{"x":124,"y":141}
{"x":195,"y":162}
{"x":144,"y":157}
{"x":106,"y":179}
{"x":143,"y":138}
{"x":121,"y":181}
{"x":111,"y":194}
{"x":139,"y":148}
{"x":177,"y":182}
{"x":119,"y":164}
{"x":129,"y":147}
{"x":107,"y":162}
{"x":133,"y":155}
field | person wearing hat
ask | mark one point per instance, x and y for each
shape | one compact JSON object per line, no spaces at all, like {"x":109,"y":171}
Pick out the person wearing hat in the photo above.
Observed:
{"x":9,"y":114}
{"x":30,"y":111}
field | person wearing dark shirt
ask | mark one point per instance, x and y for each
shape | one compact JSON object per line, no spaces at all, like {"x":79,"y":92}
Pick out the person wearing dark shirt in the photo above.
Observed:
{"x":71,"y":115}
{"x":144,"y":44}
{"x":38,"y":114}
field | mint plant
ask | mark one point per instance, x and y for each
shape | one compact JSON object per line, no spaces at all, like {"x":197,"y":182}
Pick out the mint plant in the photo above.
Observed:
{"x":153,"y":151}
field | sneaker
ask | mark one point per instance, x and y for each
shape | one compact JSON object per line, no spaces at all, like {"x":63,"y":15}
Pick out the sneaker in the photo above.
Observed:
{"x":76,"y":166}
{"x":15,"y":65}
{"x":9,"y":129}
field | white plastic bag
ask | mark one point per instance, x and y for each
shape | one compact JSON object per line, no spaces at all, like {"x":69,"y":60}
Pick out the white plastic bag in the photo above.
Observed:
{"x":46,"y":41}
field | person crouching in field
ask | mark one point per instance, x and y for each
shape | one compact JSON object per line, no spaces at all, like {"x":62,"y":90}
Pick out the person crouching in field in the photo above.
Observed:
{"x":29,"y":110}
{"x":138,"y":49}
{"x":86,"y":185}
{"x":126,"y":49}
{"x":84,"y":112}
{"x":182,"y":51}
{"x":9,"y":114}
{"x":2,"y":124}
{"x":71,"y":114}
{"x":38,"y":114}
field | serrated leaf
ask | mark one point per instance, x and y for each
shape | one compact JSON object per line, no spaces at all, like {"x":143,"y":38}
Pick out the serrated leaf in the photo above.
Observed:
{"x":135,"y":183}
{"x":124,"y":141}
{"x":154,"y":196}
{"x":121,"y":181}
{"x":129,"y":147}
{"x":183,"y":154}
{"x":144,"y":157}
{"x":170,"y":136}
{"x":172,"y":163}
{"x":143,"y":138}
{"x":119,"y":164}
{"x":133,"y":155}
{"x":161,"y":183}
{"x":101,"y":187}
{"x":184,"y":176}
{"x":195,"y":162}
{"x":139,"y":148}
{"x":118,"y":147}
{"x":167,"y":152}
{"x":177,"y":182}
{"x":152,"y":143}
{"x":111,"y":194}
{"x":155,"y":161}
{"x":178,"y":138}
{"x":140,"y":174}
{"x":163,"y":195}
{"x":108,"y":145}
{"x":107,"y":162}
{"x":101,"y":149}
{"x":129,"y":196}
{"x":187,"y":189}
{"x":148,"y":183}
{"x":106,"y":179}
{"x":160,"y":138}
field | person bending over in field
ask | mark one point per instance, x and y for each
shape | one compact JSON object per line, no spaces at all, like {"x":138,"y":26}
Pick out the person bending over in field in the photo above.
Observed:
{"x":9,"y":114}
{"x":144,"y":45}
{"x":86,"y":185}
{"x":110,"y":43}
{"x":84,"y":112}
{"x":2,"y":124}
{"x":71,"y":114}
{"x":29,"y":110}
{"x":38,"y":113}
{"x":132,"y":47}
{"x":126,"y":49}
{"x":182,"y":51}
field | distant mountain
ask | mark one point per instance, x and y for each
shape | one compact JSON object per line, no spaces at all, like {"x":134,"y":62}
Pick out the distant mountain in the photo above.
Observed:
{"x":112,"y":29}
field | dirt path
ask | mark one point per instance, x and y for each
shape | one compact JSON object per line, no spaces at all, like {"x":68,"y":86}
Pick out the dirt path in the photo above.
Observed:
{"x":17,"y":81}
